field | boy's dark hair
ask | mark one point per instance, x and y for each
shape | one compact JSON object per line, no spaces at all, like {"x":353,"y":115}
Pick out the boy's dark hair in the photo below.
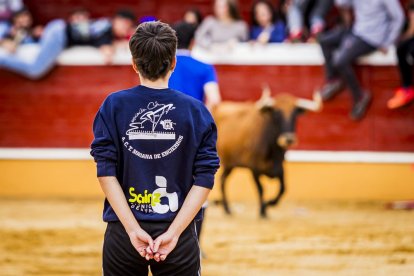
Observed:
{"x":185,"y":34}
{"x":153,"y":47}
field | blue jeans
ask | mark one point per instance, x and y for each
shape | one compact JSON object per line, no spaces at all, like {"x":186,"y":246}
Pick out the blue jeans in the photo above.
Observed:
{"x":341,"y":48}
{"x":51,"y":44}
{"x":297,"y":9}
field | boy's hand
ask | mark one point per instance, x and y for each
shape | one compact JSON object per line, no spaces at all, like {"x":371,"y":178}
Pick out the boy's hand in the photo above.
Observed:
{"x":142,"y":242}
{"x":164,"y":244}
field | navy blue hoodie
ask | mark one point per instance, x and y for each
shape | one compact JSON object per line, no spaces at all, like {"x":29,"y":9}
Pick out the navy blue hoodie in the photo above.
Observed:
{"x":158,"y":143}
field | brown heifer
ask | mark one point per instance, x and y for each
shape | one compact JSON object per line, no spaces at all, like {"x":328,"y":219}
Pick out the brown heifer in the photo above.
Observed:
{"x":257,"y":135}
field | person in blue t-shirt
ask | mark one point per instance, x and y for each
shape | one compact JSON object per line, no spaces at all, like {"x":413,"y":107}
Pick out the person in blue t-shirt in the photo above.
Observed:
{"x":193,"y":77}
{"x":156,"y":156}
{"x":267,"y":26}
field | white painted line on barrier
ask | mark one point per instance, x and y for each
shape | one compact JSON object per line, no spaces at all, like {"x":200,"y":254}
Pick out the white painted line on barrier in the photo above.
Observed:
{"x":291,"y":156}
{"x":349,"y":157}
{"x":45,"y":154}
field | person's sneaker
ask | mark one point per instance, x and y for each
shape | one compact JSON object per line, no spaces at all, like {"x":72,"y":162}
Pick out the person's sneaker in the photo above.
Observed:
{"x":402,"y":96}
{"x":316,"y":30}
{"x":295,"y":37}
{"x":331,"y":89}
{"x":360,"y":108}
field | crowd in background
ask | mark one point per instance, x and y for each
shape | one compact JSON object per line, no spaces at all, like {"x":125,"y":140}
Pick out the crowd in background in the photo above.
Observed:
{"x":363,"y":27}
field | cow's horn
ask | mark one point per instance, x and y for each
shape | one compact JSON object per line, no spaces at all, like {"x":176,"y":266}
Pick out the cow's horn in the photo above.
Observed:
{"x":315,"y":105}
{"x":266,"y":98}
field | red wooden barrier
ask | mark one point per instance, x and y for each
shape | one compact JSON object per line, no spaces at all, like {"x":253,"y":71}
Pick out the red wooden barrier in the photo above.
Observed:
{"x":58,"y":111}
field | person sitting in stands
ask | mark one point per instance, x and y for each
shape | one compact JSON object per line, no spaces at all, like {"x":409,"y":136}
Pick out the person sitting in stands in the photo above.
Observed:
{"x":296,"y":15}
{"x":267,"y":27}
{"x":20,"y":31}
{"x":193,"y":16}
{"x":50,"y":43}
{"x":377,"y":25}
{"x":405,"y":54}
{"x":7,"y":9}
{"x":101,"y":33}
{"x":54,"y":39}
{"x":224,"y":29}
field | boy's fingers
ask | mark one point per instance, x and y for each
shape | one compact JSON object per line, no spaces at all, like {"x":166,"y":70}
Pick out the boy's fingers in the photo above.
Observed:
{"x":157,"y":244}
{"x":157,"y":257}
{"x":163,"y":257}
{"x":151,"y":244}
{"x":142,"y":253}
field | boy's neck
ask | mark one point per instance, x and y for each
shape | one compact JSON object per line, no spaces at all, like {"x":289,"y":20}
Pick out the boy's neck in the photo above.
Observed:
{"x":157,"y":84}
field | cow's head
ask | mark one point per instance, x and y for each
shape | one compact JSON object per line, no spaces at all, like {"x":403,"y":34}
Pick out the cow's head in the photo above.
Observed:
{"x":283,"y":110}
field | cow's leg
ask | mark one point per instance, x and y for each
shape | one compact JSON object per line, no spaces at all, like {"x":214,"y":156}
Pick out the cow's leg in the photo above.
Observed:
{"x":281,"y":190}
{"x":224,"y":176}
{"x":260,"y":190}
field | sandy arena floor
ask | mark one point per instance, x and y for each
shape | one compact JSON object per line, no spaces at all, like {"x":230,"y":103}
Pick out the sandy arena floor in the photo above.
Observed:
{"x":46,"y":237}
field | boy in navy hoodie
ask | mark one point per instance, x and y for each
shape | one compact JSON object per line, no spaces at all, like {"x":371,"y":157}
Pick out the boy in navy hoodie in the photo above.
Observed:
{"x":156,"y":156}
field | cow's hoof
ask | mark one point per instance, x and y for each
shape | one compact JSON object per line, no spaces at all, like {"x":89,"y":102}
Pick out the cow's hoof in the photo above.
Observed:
{"x":263,"y":216}
{"x":227,"y":211}
{"x":263,"y":213}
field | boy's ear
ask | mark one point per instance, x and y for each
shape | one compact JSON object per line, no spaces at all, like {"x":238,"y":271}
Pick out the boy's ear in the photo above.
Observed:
{"x":174,"y":63}
{"x":134,"y":66}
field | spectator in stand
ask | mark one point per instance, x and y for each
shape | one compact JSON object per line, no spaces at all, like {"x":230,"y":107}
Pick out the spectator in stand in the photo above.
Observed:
{"x":102,"y":33}
{"x":51,"y":41}
{"x":376,"y":26}
{"x":297,"y":10}
{"x":405,"y":54}
{"x":224,"y":29}
{"x":267,"y":26}
{"x":193,"y":16}
{"x":80,"y":30}
{"x":7,"y":9}
{"x":20,"y":31}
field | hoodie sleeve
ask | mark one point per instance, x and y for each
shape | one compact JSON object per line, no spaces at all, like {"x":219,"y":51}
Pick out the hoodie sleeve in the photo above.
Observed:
{"x":207,"y":161}
{"x":103,"y":148}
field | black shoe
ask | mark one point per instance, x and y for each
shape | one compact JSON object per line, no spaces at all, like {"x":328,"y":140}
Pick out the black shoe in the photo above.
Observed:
{"x":331,"y":89}
{"x":359,"y":109}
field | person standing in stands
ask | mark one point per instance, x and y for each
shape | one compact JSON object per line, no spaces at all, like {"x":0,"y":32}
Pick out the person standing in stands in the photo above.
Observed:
{"x":224,"y":29}
{"x":376,"y":26}
{"x":156,"y":156}
{"x":267,"y":27}
{"x":405,"y":54}
{"x":194,"y":78}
